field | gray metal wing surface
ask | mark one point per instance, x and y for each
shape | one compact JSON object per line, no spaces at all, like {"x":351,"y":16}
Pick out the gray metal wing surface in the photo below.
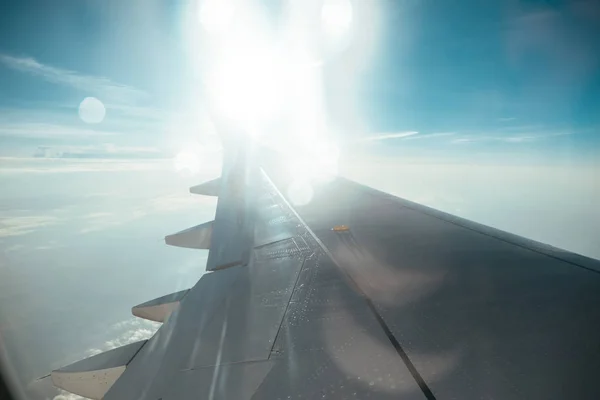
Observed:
{"x":401,"y":301}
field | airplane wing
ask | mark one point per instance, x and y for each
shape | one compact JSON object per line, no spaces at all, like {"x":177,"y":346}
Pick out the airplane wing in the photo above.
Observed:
{"x":357,"y":294}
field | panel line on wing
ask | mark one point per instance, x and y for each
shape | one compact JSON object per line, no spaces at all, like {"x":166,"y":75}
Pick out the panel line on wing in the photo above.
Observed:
{"x":398,"y":347}
{"x":271,"y":243}
{"x":287,"y":306}
{"x":399,"y":350}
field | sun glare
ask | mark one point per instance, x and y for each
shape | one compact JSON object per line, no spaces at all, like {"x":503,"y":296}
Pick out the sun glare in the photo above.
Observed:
{"x":318,"y":163}
{"x":216,"y":15}
{"x":258,"y":80}
{"x":246,"y":85}
{"x":336,"y":16}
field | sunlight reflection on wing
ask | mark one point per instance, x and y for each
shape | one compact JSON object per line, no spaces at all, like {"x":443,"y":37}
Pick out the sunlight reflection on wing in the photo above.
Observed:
{"x":385,"y":283}
{"x":353,"y":351}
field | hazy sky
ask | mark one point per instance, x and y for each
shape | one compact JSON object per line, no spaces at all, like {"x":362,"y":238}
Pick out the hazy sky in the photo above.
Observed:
{"x":486,"y":110}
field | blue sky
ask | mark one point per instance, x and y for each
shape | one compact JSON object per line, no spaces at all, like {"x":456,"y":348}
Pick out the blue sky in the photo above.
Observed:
{"x":488,"y":110}
{"x":511,"y":72}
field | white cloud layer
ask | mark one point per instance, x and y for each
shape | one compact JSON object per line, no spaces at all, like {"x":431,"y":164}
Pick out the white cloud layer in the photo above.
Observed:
{"x":22,"y":165}
{"x":48,"y":131}
{"x":104,"y":150}
{"x":387,"y":136}
{"x":164,"y":204}
{"x":511,"y":138}
{"x":21,"y":225}
{"x":122,"y":333}
{"x":64,"y":395}
{"x":125,"y":332}
{"x":430,"y":135}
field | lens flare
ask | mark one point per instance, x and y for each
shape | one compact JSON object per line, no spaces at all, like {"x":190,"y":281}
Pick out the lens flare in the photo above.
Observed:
{"x":300,"y":192}
{"x":91,"y":110}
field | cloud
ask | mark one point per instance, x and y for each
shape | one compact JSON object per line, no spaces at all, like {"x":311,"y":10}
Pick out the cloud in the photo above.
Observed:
{"x":176,"y":202}
{"x":13,"y":248}
{"x":100,"y":86}
{"x":40,"y":165}
{"x":523,"y":128}
{"x":102,"y":151}
{"x":49,"y":131}
{"x":50,"y":245}
{"x":64,"y":395}
{"x":408,"y":135}
{"x":16,"y":226}
{"x":97,"y":215}
{"x":157,"y":205}
{"x":126,"y":332}
{"x":122,"y":333}
{"x":430,"y":136}
{"x":387,"y":136}
{"x":147,"y":114}
{"x":520,"y":139}
{"x":510,"y":139}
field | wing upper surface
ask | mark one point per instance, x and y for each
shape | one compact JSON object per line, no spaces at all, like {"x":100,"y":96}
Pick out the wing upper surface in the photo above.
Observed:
{"x":479,"y":312}
{"x":404,"y":301}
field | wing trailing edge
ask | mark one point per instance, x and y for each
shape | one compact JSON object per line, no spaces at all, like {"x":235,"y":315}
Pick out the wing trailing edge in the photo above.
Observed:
{"x":94,"y":376}
{"x":160,"y":308}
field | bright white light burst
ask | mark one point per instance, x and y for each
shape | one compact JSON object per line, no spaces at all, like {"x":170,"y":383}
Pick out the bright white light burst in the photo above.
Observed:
{"x":336,"y":16}
{"x":246,"y":85}
{"x":216,"y":15}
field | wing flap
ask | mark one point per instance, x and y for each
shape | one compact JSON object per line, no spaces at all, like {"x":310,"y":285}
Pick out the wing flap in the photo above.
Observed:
{"x":160,"y":308}
{"x":94,"y":376}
